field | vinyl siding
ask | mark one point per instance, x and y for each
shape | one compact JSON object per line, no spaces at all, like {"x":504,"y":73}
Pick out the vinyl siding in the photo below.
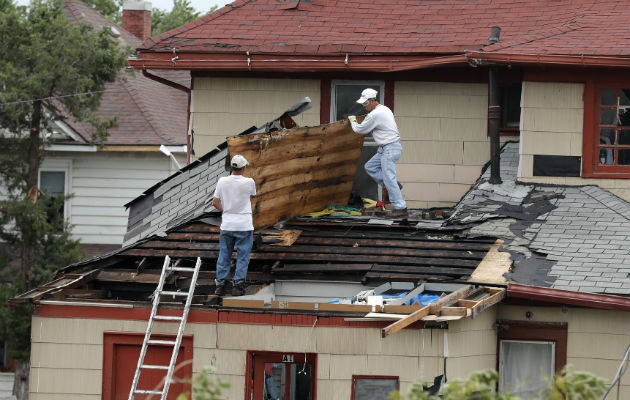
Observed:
{"x":101,"y":183}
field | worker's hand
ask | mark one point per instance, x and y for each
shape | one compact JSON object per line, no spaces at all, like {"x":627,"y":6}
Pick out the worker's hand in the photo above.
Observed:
{"x":352,"y":118}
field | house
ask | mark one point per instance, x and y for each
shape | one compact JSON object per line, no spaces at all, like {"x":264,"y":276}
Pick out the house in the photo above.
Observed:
{"x":150,"y":114}
{"x":103,"y":179}
{"x":561,"y":92}
{"x":494,"y":296}
{"x":538,"y":259}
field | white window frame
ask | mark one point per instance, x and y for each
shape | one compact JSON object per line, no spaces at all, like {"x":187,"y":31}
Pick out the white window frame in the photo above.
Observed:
{"x":377,"y":85}
{"x":501,"y":362}
{"x":59,"y":165}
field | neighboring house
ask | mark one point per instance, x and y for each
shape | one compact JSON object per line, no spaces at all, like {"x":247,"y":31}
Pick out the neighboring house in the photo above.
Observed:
{"x":500,"y":260}
{"x":546,"y":251}
{"x":103,"y":180}
{"x":562,"y":91}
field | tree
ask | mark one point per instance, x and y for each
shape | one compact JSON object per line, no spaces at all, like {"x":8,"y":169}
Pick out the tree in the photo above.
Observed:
{"x":50,"y":70}
{"x":181,"y":14}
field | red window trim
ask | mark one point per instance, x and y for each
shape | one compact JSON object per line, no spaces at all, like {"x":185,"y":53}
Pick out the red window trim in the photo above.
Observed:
{"x":590,"y":142}
{"x":111,"y":339}
{"x":355,"y":377}
{"x":535,"y":331}
{"x":273,"y":356}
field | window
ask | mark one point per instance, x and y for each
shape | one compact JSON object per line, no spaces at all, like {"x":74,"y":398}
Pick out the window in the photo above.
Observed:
{"x":528,"y":353}
{"x":279,"y":375}
{"x":120,"y":359}
{"x":510,"y":108}
{"x":606,"y":149}
{"x":54,"y":179}
{"x":373,"y":387}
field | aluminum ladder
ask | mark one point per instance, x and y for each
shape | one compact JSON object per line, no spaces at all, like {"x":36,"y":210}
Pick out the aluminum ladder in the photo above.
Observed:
{"x":166,"y":269}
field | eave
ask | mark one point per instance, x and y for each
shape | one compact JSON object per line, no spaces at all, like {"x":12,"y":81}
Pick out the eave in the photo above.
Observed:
{"x":567,"y":297}
{"x":480,"y":58}
{"x":290,"y":62}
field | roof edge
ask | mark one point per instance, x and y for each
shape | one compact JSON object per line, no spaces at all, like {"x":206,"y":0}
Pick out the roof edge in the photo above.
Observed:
{"x":558,"y":296}
{"x":481,"y":58}
{"x":290,"y":62}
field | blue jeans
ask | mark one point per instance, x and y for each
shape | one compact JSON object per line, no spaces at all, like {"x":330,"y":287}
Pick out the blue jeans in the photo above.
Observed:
{"x":382,"y":168}
{"x":243,"y":241}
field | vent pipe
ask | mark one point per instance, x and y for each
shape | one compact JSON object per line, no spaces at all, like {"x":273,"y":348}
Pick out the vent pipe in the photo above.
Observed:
{"x":494,"y":114}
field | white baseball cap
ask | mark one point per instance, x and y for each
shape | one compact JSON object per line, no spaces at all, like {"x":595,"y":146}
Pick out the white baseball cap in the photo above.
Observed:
{"x":238,"y":161}
{"x":367,"y":94}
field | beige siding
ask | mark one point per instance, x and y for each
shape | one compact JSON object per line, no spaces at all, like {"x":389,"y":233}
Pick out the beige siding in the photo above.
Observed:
{"x":443,"y":127}
{"x":67,"y":356}
{"x":552,"y":117}
{"x":222,"y":107}
{"x":596,"y":341}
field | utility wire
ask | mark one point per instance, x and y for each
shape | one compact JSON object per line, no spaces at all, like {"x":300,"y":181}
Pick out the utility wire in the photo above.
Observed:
{"x":48,"y":98}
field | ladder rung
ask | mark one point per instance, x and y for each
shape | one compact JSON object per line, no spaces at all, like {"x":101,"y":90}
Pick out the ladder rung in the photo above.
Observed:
{"x":146,"y":366}
{"x":171,"y":342}
{"x":174,"y":293}
{"x":182,"y":269}
{"x":167,"y":318}
{"x":148,"y":391}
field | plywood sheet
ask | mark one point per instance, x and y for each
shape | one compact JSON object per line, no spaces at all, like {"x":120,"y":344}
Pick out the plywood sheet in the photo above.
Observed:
{"x":299,"y":170}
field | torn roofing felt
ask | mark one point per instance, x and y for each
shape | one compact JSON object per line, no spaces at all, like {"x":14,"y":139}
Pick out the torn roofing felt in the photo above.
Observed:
{"x":564,"y":237}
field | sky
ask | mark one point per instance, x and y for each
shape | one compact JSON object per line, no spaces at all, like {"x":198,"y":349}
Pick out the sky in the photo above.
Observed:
{"x":200,"y":5}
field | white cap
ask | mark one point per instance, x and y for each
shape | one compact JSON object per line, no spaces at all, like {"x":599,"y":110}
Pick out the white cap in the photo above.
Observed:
{"x":367,"y":94}
{"x":238,"y":161}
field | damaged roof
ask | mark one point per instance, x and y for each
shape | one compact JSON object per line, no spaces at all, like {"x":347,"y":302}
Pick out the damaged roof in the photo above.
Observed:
{"x":564,"y":237}
{"x":425,"y":28}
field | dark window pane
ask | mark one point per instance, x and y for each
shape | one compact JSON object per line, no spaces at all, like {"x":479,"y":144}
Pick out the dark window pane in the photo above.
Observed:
{"x":624,"y":117}
{"x":346,"y":101}
{"x":511,"y":105}
{"x":624,"y":98}
{"x":608,"y":117}
{"x":609,"y":97}
{"x":624,"y":157}
{"x":52,"y":182}
{"x":606,"y":156}
{"x":607,"y":136}
{"x":624,"y":136}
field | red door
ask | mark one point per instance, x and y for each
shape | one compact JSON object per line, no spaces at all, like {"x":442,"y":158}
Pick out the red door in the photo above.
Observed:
{"x":120,"y":358}
{"x":280,"y":375}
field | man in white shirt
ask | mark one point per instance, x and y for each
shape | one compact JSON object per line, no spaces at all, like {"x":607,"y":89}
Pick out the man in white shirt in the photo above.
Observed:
{"x":382,"y":167}
{"x":232,"y":198}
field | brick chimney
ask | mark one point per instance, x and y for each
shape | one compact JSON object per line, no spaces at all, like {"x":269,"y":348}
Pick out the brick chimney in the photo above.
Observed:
{"x":136,"y":18}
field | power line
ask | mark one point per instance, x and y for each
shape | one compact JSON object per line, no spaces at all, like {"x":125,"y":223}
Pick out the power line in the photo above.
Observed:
{"x":49,"y":98}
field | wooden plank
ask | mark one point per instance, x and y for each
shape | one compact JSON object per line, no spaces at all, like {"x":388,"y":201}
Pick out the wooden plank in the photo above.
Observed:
{"x":335,"y":238}
{"x":494,"y":266}
{"x":128,"y":277}
{"x":291,"y":168}
{"x":242,"y":303}
{"x":322,"y":268}
{"x":413,"y":269}
{"x":285,"y":237}
{"x":424,"y":311}
{"x":393,"y":276}
{"x":496,"y":297}
{"x":391,"y":250}
{"x":453,"y":311}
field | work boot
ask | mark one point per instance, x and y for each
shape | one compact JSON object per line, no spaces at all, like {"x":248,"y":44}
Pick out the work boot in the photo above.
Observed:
{"x":238,"y":289}
{"x":395,"y":212}
{"x":219,"y":289}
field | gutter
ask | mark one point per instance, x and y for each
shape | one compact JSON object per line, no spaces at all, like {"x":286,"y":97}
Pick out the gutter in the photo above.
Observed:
{"x":289,"y":63}
{"x":184,"y":89}
{"x":480,"y":58}
{"x":568,"y":297}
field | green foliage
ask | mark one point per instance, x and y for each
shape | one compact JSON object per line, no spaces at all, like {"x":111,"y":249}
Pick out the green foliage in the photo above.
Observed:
{"x":181,"y":14}
{"x":110,"y":9}
{"x":205,"y":386}
{"x":480,"y":386}
{"x":576,"y":385}
{"x":45,"y":61}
